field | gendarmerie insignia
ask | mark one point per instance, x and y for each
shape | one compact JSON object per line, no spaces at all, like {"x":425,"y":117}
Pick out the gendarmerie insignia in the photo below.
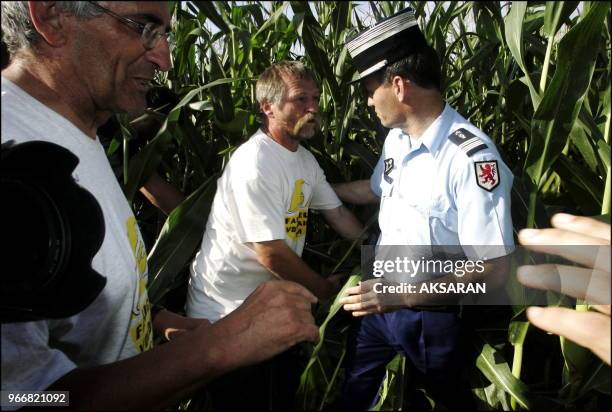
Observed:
{"x":487,"y":175}
{"x":389,"y":166}
{"x":467,"y":141}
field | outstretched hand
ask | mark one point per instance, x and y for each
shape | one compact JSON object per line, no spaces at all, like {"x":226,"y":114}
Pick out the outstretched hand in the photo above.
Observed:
{"x":362,"y":300}
{"x":589,"y":329}
{"x":276,"y":316}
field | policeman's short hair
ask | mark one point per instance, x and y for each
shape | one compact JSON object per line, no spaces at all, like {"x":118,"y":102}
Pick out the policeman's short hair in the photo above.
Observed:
{"x":271,"y":84}
{"x":421,"y":67}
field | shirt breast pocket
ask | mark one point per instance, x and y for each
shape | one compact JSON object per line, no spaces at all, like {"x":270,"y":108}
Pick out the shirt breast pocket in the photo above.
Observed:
{"x":387,"y":211}
{"x":443,"y":222}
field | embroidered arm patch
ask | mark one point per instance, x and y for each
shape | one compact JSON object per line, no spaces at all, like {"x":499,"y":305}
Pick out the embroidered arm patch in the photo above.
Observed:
{"x":467,"y":141}
{"x":487,"y":174}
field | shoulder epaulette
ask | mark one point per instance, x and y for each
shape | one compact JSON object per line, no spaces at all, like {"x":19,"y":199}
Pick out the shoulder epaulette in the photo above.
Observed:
{"x":467,"y":141}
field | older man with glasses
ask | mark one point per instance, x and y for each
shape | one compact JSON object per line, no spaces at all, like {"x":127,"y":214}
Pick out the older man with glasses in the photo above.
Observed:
{"x":74,"y":64}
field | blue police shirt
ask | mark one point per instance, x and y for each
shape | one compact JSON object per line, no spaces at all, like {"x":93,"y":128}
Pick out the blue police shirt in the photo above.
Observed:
{"x":450,"y":187}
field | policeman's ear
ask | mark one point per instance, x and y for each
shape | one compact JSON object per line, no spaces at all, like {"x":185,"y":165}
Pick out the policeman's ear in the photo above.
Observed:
{"x":400,"y":87}
{"x":48,"y":22}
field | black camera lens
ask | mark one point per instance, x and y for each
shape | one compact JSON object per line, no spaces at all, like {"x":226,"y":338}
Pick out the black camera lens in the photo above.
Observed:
{"x":52,"y":229}
{"x":39,"y":240}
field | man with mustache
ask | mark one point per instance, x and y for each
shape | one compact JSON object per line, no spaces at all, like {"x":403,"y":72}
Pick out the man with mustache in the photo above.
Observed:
{"x":257,"y":224}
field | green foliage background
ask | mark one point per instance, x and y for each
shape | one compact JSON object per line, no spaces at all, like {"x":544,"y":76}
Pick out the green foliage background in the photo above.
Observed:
{"x":534,"y":76}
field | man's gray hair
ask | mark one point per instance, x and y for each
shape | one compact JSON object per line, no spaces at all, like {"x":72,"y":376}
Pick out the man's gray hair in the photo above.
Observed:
{"x":271,"y":85}
{"x":18,"y":32}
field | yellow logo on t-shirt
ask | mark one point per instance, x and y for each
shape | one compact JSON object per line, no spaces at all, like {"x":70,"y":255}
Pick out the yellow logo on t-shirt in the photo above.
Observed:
{"x":297,"y":198}
{"x":296,"y":217}
{"x":138,"y":247}
{"x":141,"y":330}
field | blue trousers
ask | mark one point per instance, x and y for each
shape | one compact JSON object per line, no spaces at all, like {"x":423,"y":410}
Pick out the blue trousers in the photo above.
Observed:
{"x":430,"y":341}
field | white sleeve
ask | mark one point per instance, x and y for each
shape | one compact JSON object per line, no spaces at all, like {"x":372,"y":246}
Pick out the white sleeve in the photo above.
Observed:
{"x":484,"y":218}
{"x":323,"y":196}
{"x":28,"y":363}
{"x":257,"y":206}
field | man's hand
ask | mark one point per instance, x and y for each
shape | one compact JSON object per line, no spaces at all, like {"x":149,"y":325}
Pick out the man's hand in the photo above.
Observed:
{"x":275,"y":317}
{"x":362,"y":300}
{"x":588,"y":329}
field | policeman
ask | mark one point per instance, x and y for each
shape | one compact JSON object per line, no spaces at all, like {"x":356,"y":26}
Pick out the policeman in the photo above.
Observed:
{"x":440,"y":181}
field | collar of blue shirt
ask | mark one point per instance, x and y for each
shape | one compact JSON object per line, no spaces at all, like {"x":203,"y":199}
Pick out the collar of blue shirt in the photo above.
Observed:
{"x":434,"y":135}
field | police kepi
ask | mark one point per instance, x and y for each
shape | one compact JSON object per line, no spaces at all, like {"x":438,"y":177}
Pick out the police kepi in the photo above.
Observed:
{"x":389,"y":40}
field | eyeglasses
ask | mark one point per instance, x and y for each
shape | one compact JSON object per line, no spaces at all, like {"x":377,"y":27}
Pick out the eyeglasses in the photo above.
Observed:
{"x":150,"y":33}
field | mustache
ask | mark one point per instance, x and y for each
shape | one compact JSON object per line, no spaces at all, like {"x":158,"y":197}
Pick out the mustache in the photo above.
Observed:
{"x":310,"y":117}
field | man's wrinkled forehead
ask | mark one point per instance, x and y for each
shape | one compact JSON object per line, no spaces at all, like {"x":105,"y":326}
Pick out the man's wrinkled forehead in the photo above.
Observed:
{"x":296,"y":84}
{"x":156,"y":12}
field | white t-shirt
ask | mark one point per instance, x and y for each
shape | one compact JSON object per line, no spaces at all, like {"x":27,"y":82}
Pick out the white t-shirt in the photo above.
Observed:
{"x":264,"y":194}
{"x":117,"y":325}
